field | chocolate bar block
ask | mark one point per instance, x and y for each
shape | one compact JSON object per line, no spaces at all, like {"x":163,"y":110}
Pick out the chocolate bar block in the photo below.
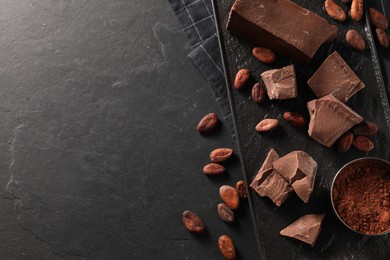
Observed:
{"x":282,"y":26}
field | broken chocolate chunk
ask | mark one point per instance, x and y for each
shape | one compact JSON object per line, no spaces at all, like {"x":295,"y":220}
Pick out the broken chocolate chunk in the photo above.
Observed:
{"x":329,"y":119}
{"x":282,"y":26}
{"x":295,"y":165}
{"x":265,"y":169}
{"x":269,"y":183}
{"x":306,"y":228}
{"x":280,"y":83}
{"x":299,"y":169}
{"x":277,"y":177}
{"x":274,"y":187}
{"x":335,"y":77}
{"x":304,"y":187}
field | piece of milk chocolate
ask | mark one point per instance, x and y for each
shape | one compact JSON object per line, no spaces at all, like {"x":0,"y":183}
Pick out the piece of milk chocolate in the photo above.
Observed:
{"x":335,"y":77}
{"x":282,"y":26}
{"x":274,"y":187}
{"x":329,"y":119}
{"x":299,"y":169}
{"x":280,"y":83}
{"x":269,"y":183}
{"x":265,"y":169}
{"x":306,"y":228}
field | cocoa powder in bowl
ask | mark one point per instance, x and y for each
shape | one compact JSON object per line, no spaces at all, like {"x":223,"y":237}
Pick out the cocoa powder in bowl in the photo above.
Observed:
{"x":360,"y":196}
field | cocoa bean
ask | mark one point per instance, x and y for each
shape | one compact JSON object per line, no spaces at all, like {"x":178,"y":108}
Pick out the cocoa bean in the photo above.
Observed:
{"x":355,"y":40}
{"x":266,"y":125}
{"x":230,"y":196}
{"x":365,"y":128}
{"x":335,"y":11}
{"x":294,"y":118}
{"x":241,"y":189}
{"x":357,"y":10}
{"x":344,"y":143}
{"x":225,"y":213}
{"x":382,"y":37}
{"x":378,"y":19}
{"x":192,"y":222}
{"x":207,"y":123}
{"x":242,"y":77}
{"x":226,"y":246}
{"x":221,"y":154}
{"x":264,"y":55}
{"x":213,"y":169}
{"x":362,"y":143}
{"x":258,"y":93}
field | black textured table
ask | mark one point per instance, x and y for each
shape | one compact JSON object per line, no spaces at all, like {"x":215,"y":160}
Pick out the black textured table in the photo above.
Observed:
{"x":99,"y":154}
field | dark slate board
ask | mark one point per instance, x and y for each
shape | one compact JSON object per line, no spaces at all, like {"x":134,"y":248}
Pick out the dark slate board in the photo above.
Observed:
{"x":383,"y":53}
{"x":335,"y":240}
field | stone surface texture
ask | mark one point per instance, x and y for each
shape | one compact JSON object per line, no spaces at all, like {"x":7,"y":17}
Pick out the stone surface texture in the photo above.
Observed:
{"x":99,"y":154}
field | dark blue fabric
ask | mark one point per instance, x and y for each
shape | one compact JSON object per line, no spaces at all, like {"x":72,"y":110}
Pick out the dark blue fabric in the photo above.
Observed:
{"x":197,"y":20}
{"x":207,"y":60}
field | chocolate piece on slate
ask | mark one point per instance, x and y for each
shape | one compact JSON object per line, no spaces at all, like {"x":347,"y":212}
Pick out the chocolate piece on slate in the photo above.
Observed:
{"x":329,"y":119}
{"x":265,"y":169}
{"x":269,"y":183}
{"x":274,"y":187}
{"x":335,"y":77}
{"x":304,"y":187}
{"x":299,"y":169}
{"x":280,"y":83}
{"x":282,"y":26}
{"x":306,"y":228}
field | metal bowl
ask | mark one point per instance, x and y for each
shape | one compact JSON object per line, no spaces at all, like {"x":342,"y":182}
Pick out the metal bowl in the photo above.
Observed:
{"x":359,"y":161}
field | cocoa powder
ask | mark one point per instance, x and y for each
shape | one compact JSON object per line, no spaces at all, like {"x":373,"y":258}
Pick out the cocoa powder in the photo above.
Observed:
{"x":361,"y":196}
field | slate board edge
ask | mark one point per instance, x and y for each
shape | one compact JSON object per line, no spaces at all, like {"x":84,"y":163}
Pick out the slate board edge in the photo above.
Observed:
{"x":382,"y":89}
{"x":383,"y":10}
{"x":228,"y":80}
